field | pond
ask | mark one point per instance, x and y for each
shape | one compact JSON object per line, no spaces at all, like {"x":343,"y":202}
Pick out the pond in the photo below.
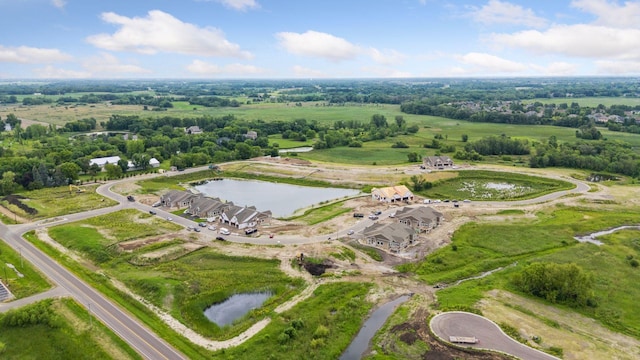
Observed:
{"x":361,"y":342}
{"x":235,"y":307}
{"x":282,"y":199}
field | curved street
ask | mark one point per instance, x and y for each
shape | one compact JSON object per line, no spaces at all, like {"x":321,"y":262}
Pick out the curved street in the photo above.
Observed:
{"x":148,"y":344}
{"x":489,"y":335}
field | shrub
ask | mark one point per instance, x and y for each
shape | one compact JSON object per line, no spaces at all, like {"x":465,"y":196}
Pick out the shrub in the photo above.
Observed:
{"x":321,"y":332}
{"x":634,"y":263}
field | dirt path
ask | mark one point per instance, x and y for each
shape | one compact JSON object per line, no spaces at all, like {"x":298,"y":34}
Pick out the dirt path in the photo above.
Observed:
{"x":11,"y":215}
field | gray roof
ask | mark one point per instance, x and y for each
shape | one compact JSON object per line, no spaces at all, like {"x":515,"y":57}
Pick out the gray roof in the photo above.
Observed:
{"x":391,"y":232}
{"x":421,"y":213}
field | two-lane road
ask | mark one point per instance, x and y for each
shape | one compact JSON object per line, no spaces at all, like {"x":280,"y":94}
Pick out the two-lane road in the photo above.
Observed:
{"x":144,"y":341}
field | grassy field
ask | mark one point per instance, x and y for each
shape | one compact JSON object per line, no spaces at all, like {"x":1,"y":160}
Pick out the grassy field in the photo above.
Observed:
{"x":58,"y":201}
{"x":322,"y":213}
{"x":58,"y":329}
{"x":32,"y":281}
{"x":493,"y":186}
{"x":478,"y":248}
{"x":183,"y":283}
{"x":320,"y":328}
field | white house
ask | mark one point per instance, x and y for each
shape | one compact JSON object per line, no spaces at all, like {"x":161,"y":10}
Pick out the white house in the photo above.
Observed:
{"x":113,"y":160}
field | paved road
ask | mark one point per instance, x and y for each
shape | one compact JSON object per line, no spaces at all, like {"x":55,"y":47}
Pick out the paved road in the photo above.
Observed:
{"x":489,"y":334}
{"x":125,"y":325}
{"x":149,"y":345}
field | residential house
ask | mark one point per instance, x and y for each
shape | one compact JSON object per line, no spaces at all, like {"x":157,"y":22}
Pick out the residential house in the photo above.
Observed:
{"x":154,"y":163}
{"x":393,"y":237}
{"x":437,"y":162}
{"x":420,"y":219}
{"x":176,"y":199}
{"x":193,"y":130}
{"x":251,"y":135}
{"x":113,"y":160}
{"x":244,"y":217}
{"x":206,"y":208}
{"x":392,"y":194}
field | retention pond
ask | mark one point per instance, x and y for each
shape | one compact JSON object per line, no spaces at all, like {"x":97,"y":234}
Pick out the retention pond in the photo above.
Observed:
{"x":235,"y":307}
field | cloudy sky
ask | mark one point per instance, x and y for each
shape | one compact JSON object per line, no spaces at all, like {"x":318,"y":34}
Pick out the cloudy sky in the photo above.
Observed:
{"x":232,"y":39}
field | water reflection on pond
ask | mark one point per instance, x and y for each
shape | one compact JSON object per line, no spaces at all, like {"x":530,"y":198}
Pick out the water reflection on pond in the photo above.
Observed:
{"x":235,"y":307}
{"x":282,"y":199}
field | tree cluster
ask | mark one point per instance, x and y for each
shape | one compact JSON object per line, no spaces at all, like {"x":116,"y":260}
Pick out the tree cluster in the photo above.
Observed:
{"x":558,"y":283}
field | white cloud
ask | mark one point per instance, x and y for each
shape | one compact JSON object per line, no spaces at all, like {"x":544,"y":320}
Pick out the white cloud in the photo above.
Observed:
{"x":558,"y":68}
{"x":487,"y":63}
{"x":388,"y":57}
{"x":571,"y":40}
{"x":107,"y":64}
{"x":610,"y":13}
{"x":618,"y":67}
{"x":241,"y":5}
{"x":301,"y":71}
{"x":318,"y":44}
{"x":204,"y":68}
{"x":161,"y":32}
{"x":59,"y":3}
{"x":50,"y":72}
{"x":31,"y":55}
{"x":502,"y":12}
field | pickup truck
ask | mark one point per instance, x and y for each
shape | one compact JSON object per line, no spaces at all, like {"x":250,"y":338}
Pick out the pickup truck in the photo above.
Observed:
{"x":358,"y":215}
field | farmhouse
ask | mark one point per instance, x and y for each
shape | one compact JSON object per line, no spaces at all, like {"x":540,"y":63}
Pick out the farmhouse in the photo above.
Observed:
{"x":251,"y":135}
{"x":420,"y":219}
{"x":392,"y":194}
{"x":104,"y":161}
{"x":437,"y":162}
{"x":392,"y":237}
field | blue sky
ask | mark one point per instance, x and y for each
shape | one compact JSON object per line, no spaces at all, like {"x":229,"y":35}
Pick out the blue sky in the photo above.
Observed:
{"x":235,"y":39}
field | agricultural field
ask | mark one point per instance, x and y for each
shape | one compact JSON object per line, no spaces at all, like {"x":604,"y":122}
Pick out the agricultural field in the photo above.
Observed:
{"x":23,"y":279}
{"x":58,"y":329}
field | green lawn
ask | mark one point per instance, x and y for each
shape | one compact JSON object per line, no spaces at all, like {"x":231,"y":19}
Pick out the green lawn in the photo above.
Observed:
{"x":32,"y":281}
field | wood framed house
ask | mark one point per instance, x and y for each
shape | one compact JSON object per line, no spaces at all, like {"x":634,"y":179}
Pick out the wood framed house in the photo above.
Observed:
{"x":420,"y":219}
{"x":393,"y":237}
{"x":206,"y":207}
{"x":392,"y":194}
{"x":244,"y":217}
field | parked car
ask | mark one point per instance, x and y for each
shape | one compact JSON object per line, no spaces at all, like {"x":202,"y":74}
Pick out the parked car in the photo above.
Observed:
{"x":156,"y":204}
{"x":196,"y":229}
{"x":202,"y":224}
{"x":169,"y":218}
{"x":378,"y":212}
{"x":152,"y":212}
{"x":211,"y":227}
{"x":350,"y":232}
{"x":131,"y":198}
{"x":392,"y":215}
{"x":358,"y":215}
{"x":270,"y":236}
{"x":220,"y":238}
{"x":225,"y":231}
{"x":426,"y":201}
{"x":189,"y":228}
{"x":250,"y":231}
{"x":466,"y":200}
{"x":373,"y":217}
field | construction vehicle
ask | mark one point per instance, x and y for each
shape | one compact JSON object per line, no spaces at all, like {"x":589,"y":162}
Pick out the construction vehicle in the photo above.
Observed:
{"x":76,"y":188}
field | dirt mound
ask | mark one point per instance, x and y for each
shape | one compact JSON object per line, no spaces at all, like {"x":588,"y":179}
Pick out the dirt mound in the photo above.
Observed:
{"x":317,"y":269}
{"x":15,"y":200}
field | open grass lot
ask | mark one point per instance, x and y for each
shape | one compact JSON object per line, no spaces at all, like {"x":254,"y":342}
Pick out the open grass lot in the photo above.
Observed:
{"x":52,"y":202}
{"x":323,"y":213}
{"x":323,"y":326}
{"x":493,"y":186}
{"x":547,"y":238}
{"x":181,"y":282}
{"x":287,"y":143}
{"x":58,"y":329}
{"x":163,"y":183}
{"x":30,"y":284}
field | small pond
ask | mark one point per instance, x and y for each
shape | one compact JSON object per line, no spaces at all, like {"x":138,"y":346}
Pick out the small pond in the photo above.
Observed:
{"x":282,"y":199}
{"x":235,"y":307}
